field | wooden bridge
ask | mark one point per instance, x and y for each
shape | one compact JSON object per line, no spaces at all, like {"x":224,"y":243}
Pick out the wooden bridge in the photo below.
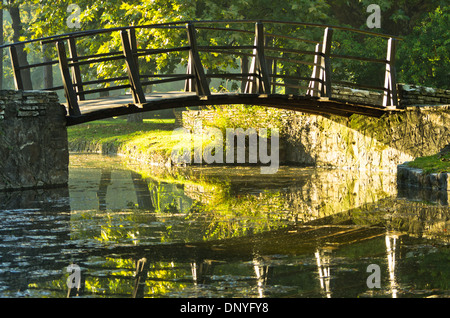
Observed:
{"x":272,"y":47}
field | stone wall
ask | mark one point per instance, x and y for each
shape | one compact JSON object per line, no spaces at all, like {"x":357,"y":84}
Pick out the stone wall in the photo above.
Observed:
{"x":357,"y":95}
{"x":418,"y":95}
{"x":358,"y":142}
{"x":408,"y":95}
{"x":415,"y":183}
{"x":366,"y":143}
{"x":33,"y":140}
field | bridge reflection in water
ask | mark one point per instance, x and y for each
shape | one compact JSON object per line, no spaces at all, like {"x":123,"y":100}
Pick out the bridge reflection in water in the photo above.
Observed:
{"x":140,"y":234}
{"x":282,"y":64}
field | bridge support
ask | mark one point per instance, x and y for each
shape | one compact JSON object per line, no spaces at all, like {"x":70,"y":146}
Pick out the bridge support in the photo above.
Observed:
{"x":261,"y":84}
{"x":321,"y":84}
{"x":33,"y":140}
{"x":390,"y":81}
{"x":195,"y":66}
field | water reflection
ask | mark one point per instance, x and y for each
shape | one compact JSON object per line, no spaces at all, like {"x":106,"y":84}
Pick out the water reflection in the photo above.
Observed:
{"x":220,"y":232}
{"x":323,"y":266}
{"x":391,"y":244}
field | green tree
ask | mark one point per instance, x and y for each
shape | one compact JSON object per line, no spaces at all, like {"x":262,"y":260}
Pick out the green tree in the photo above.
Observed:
{"x":425,"y":53}
{"x":18,"y":35}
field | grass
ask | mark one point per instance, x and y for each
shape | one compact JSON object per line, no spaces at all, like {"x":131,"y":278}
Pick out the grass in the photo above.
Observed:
{"x":433,"y":164}
{"x":154,"y":133}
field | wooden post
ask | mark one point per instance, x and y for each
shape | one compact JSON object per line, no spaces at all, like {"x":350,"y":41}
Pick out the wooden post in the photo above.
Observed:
{"x":133,"y":72}
{"x":314,"y":85}
{"x":390,"y":82}
{"x":189,"y":85}
{"x":71,"y":96}
{"x":133,"y":45}
{"x":202,"y":86}
{"x":326,"y":63}
{"x":15,"y":64}
{"x":259,"y":65}
{"x":244,"y":69}
{"x":76,"y":73}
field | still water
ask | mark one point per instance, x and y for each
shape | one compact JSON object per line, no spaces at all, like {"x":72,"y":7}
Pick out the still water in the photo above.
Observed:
{"x":132,"y":231}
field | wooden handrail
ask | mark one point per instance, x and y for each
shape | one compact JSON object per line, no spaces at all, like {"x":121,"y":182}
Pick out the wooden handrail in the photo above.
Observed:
{"x":178,"y":25}
{"x":259,"y":79}
{"x":76,"y":72}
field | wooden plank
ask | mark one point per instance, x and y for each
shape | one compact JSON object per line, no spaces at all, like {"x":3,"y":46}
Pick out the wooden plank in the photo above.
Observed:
{"x":141,"y":52}
{"x":133,"y":46}
{"x":316,"y":86}
{"x":106,"y":89}
{"x":358,"y":58}
{"x":289,"y":60}
{"x":261,"y":83}
{"x":326,"y":63}
{"x":69,"y":92}
{"x":47,"y":63}
{"x":76,"y":73}
{"x":244,"y":69}
{"x":15,"y":64}
{"x":167,"y":80}
{"x":87,"y":57}
{"x":287,"y":37}
{"x":106,"y":59}
{"x":133,"y":72}
{"x":201,"y":86}
{"x":105,"y":80}
{"x":390,"y":97}
{"x":227,"y":52}
{"x":115,"y":106}
{"x":284,"y":50}
{"x":189,"y":84}
{"x":264,"y":86}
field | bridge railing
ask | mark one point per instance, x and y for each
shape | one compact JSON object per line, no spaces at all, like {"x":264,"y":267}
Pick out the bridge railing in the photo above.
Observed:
{"x":271,"y":56}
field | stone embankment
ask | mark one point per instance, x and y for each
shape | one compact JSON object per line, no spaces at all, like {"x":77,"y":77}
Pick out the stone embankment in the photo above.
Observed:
{"x":408,"y":176}
{"x":359,"y":142}
{"x":33,"y":140}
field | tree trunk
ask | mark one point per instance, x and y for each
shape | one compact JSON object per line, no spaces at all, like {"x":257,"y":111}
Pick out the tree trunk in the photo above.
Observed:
{"x":135,"y":118}
{"x":22,"y":55}
{"x":48,"y":70}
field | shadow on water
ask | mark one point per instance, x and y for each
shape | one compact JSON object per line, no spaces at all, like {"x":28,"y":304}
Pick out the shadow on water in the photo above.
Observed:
{"x":221,"y":232}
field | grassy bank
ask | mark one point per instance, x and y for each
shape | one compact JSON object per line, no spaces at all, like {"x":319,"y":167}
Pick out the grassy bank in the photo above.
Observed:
{"x":433,"y":164}
{"x":151,"y":138}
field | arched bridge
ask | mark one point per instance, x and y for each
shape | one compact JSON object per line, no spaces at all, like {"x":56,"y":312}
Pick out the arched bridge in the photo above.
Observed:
{"x":269,"y":63}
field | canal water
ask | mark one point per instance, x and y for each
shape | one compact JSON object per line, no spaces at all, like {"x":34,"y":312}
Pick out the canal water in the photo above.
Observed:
{"x":123,"y":230}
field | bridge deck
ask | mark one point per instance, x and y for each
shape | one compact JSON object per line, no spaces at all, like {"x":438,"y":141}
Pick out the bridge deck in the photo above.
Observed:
{"x":105,"y":107}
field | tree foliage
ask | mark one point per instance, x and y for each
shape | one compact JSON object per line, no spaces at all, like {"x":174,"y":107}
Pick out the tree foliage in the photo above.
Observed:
{"x":423,"y":56}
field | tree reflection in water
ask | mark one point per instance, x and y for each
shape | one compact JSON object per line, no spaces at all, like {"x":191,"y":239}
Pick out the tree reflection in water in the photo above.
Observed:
{"x":223,"y":232}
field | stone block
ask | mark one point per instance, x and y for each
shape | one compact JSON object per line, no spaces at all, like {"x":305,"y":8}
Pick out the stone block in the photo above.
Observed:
{"x":30,"y":154}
